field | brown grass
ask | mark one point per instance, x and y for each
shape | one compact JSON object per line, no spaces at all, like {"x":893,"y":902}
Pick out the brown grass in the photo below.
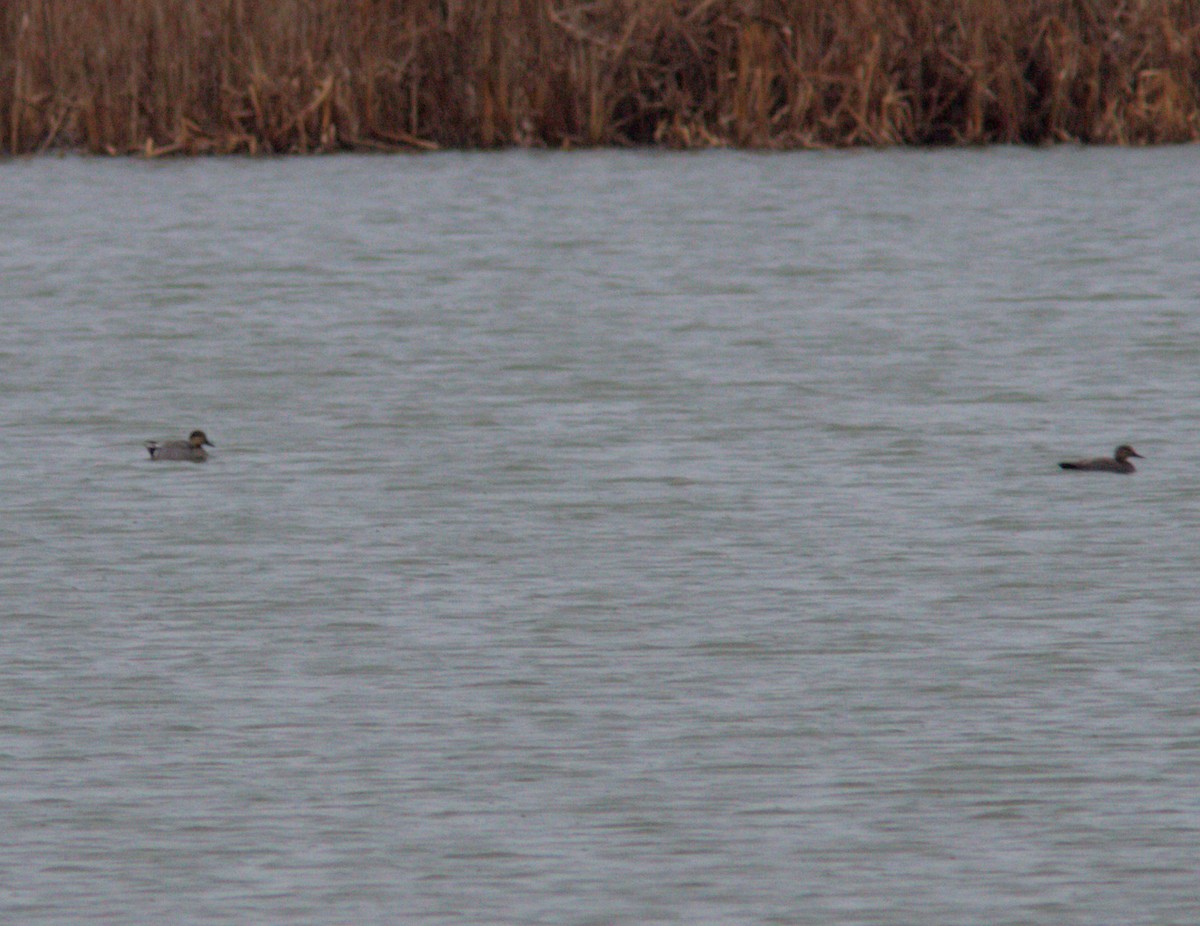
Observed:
{"x":220,"y":76}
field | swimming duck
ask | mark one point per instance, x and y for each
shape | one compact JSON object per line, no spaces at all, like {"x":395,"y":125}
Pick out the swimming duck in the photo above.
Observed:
{"x":191,"y":449}
{"x":1117,"y":463}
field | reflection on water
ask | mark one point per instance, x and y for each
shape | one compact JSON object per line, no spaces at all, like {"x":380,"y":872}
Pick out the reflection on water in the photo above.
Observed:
{"x":601,"y":538}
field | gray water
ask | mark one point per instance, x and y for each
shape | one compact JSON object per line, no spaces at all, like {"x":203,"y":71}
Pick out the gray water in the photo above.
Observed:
{"x":601,"y":538}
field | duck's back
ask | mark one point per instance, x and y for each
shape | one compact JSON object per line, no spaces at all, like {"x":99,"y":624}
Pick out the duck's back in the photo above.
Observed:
{"x":176,"y":450}
{"x":1101,"y":465}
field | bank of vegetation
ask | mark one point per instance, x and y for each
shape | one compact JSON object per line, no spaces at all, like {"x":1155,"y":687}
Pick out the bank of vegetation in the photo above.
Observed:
{"x":259,"y":76}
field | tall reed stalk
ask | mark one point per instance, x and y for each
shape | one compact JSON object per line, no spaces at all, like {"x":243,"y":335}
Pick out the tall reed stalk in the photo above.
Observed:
{"x":197,"y":76}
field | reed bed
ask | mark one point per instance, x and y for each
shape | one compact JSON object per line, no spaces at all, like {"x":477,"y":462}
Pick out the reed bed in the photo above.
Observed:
{"x":263,"y":76}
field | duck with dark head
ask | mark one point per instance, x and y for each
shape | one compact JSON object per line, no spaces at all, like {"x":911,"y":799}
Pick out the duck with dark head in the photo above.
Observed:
{"x":191,"y":449}
{"x":1117,"y":463}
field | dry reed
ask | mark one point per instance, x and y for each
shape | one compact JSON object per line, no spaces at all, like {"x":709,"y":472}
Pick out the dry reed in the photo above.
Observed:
{"x":222,"y":76}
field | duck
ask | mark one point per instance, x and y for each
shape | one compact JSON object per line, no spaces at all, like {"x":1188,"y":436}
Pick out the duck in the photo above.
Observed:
{"x":1117,"y":463}
{"x":191,"y":449}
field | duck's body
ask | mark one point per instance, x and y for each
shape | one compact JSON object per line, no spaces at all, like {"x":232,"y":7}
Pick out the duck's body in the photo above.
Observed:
{"x":1117,"y":463}
{"x":191,"y":449}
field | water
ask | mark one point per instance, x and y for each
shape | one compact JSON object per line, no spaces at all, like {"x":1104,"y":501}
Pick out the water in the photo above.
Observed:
{"x":601,"y":538}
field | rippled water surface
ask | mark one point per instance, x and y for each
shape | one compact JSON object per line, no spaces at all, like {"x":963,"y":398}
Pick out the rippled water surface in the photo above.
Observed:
{"x":601,"y":538}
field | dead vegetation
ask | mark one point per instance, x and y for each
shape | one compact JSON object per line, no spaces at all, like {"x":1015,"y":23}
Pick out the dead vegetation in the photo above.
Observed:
{"x":223,"y":76}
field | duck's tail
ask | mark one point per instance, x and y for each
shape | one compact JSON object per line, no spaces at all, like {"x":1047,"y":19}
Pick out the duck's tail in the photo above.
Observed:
{"x":1069,"y":465}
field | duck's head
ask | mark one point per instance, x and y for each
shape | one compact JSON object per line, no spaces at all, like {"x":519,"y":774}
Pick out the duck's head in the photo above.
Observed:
{"x":1124,"y":452}
{"x":199,"y":439}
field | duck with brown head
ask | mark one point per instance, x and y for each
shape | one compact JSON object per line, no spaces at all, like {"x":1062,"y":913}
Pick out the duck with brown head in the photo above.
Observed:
{"x":1117,"y":463}
{"x":191,"y":450}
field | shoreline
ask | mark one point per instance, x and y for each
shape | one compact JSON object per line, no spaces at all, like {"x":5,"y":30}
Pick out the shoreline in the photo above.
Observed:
{"x":192,"y":77}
